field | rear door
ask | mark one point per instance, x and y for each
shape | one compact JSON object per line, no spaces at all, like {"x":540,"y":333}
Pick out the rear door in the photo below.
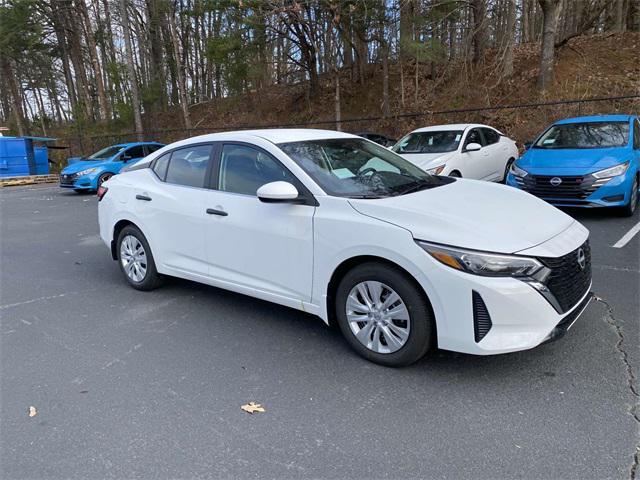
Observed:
{"x":172,"y":207}
{"x":265,"y":248}
{"x":497,"y":154}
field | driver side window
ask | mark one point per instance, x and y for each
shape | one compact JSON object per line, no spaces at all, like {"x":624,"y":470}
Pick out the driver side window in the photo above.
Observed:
{"x":133,"y":153}
{"x":244,"y":169}
{"x":474,"y":136}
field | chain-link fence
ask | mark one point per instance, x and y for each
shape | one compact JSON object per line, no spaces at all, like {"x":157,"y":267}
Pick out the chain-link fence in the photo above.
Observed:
{"x":521,"y":122}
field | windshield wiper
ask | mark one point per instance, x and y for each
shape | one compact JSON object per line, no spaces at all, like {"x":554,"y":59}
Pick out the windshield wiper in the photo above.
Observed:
{"x":416,"y":187}
{"x":367,"y":196}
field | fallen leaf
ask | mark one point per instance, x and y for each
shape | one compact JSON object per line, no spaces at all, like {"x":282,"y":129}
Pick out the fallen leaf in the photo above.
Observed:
{"x":32,"y":411}
{"x":253,"y":407}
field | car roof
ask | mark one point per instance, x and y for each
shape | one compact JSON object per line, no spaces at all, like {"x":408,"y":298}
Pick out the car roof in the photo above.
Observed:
{"x":452,"y":126}
{"x":133,"y":144}
{"x":276,"y":135}
{"x":596,"y":118}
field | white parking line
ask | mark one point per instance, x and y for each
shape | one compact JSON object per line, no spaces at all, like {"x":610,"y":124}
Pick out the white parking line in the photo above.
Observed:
{"x":626,"y":238}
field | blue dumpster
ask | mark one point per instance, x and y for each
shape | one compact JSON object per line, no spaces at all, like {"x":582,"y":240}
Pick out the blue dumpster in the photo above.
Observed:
{"x":19,"y":156}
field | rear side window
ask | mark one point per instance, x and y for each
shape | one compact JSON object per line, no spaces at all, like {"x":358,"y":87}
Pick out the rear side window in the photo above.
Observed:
{"x":153,"y":148}
{"x":491,"y":136}
{"x":188,"y":166}
{"x":134,"y":152}
{"x":160,"y":166}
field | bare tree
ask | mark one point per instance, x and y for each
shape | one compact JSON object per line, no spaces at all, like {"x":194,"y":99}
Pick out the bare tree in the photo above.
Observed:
{"x":550,"y":11}
{"x":131,"y":69}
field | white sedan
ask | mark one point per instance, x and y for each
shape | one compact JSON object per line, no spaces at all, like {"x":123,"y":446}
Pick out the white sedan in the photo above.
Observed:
{"x":335,"y":225}
{"x":472,"y":151}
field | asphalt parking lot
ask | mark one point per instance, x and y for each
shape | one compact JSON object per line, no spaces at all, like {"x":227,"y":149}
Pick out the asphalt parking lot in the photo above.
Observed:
{"x":130,"y":384}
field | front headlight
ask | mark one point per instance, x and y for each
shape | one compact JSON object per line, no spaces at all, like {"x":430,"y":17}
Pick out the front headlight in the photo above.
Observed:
{"x":436,"y":170}
{"x":612,"y":172}
{"x":486,"y":264}
{"x":86,"y":171}
{"x":517,"y":171}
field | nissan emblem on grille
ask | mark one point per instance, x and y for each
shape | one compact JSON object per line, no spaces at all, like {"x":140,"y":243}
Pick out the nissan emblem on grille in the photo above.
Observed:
{"x":582,"y":259}
{"x":555,"y":181}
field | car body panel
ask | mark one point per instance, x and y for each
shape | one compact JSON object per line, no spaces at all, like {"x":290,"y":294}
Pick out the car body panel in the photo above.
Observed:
{"x":549,"y":163}
{"x":288,"y":254}
{"x":489,"y":163}
{"x":111,"y":165}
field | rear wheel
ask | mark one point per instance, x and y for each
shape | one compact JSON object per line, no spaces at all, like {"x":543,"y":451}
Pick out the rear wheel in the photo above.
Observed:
{"x":630,"y":208}
{"x":136,"y":260}
{"x":383,"y":315}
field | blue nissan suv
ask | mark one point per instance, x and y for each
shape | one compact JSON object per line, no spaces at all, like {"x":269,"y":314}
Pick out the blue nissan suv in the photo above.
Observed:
{"x":87,"y":174}
{"x":584,"y":162}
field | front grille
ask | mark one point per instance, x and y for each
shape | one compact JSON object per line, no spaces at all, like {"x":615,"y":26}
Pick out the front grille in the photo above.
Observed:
{"x":67,"y":179}
{"x":569,"y":281}
{"x":569,"y":187}
{"x":481,"y":319}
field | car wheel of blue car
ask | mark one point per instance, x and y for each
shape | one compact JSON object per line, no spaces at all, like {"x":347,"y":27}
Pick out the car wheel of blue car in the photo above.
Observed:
{"x":104,"y":177}
{"x":633,"y":199}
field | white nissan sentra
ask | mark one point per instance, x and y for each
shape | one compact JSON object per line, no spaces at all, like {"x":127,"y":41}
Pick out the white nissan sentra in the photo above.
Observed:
{"x":335,"y":225}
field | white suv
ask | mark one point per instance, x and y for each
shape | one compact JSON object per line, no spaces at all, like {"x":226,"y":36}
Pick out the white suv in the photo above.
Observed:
{"x":335,"y":225}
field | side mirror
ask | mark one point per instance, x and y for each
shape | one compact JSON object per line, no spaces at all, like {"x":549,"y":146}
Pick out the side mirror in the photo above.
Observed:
{"x":473,"y":147}
{"x":277,"y":192}
{"x":527,"y":145}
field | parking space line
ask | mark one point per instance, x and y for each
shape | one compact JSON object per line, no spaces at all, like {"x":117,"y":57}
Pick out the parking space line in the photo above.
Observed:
{"x":626,"y":238}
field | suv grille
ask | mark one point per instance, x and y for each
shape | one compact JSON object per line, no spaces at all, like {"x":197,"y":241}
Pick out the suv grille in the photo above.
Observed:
{"x":578,"y":188}
{"x":569,"y":280}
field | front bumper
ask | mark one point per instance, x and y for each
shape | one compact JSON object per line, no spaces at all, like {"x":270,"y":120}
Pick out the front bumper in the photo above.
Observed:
{"x":84,"y":182}
{"x":491,"y":315}
{"x":582,"y":191}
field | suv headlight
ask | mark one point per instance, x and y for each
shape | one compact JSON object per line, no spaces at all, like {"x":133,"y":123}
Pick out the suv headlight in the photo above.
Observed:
{"x":86,"y":171}
{"x":486,"y":264}
{"x":612,"y":172}
{"x":517,"y":171}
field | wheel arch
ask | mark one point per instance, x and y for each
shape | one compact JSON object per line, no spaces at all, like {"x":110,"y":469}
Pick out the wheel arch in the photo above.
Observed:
{"x":117,"y":228}
{"x":348,"y":264}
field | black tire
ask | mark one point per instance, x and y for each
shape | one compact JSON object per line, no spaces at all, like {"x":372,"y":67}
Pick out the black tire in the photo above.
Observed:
{"x":422,"y":329}
{"x":104,"y":177}
{"x":455,"y":174}
{"x":629,"y":209}
{"x":506,"y":169}
{"x":80,"y":191}
{"x":152,"y":278}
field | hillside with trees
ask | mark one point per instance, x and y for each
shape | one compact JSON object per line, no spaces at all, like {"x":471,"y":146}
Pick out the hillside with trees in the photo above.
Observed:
{"x":91,"y":67}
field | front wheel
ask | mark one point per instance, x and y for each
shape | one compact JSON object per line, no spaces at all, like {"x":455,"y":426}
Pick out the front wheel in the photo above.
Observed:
{"x":136,"y":260}
{"x":507,"y":168}
{"x":455,"y":174}
{"x":384,"y":315}
{"x":630,"y":208}
{"x":104,"y":177}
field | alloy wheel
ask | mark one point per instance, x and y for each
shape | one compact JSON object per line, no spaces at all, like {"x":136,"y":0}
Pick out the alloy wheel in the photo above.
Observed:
{"x":378,"y":317}
{"x":133,"y":258}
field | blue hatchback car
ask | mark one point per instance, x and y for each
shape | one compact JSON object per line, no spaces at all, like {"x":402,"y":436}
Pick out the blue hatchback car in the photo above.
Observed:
{"x":584,"y":162}
{"x":87,"y":174}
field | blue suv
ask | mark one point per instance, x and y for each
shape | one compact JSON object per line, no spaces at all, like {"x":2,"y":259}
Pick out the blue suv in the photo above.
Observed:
{"x":584,"y":162}
{"x":87,"y":174}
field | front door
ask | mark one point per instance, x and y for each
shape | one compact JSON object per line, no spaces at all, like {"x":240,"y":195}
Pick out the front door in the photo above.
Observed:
{"x":476,"y":163}
{"x":266,"y":247}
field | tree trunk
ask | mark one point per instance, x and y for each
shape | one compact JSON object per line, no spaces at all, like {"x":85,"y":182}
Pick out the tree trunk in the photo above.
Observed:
{"x":181,"y":71}
{"x":105,"y":111}
{"x":550,"y":11}
{"x":407,"y":14}
{"x":14,"y":93}
{"x":510,"y":38}
{"x":156,"y":68}
{"x":336,"y":100}
{"x":479,"y":9}
{"x":131,"y":70}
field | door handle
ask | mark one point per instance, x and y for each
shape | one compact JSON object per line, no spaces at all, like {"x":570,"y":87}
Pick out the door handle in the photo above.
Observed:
{"x":143,"y":197}
{"x":214,"y":211}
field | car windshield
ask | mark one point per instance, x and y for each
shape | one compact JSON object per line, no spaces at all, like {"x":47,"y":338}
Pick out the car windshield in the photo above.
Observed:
{"x":105,"y":153}
{"x":356,"y":168}
{"x":439,"y":141}
{"x":585,"y":135}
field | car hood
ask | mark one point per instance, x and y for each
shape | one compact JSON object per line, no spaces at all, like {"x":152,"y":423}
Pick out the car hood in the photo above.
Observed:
{"x":471,"y":214}
{"x":582,"y":161}
{"x":428,"y":160}
{"x":82,"y":165}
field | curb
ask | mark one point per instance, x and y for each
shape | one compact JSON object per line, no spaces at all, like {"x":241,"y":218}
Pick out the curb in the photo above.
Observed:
{"x":28,"y":180}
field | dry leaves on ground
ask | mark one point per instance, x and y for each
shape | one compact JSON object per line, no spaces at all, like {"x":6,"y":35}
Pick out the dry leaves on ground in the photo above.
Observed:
{"x":253,"y":407}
